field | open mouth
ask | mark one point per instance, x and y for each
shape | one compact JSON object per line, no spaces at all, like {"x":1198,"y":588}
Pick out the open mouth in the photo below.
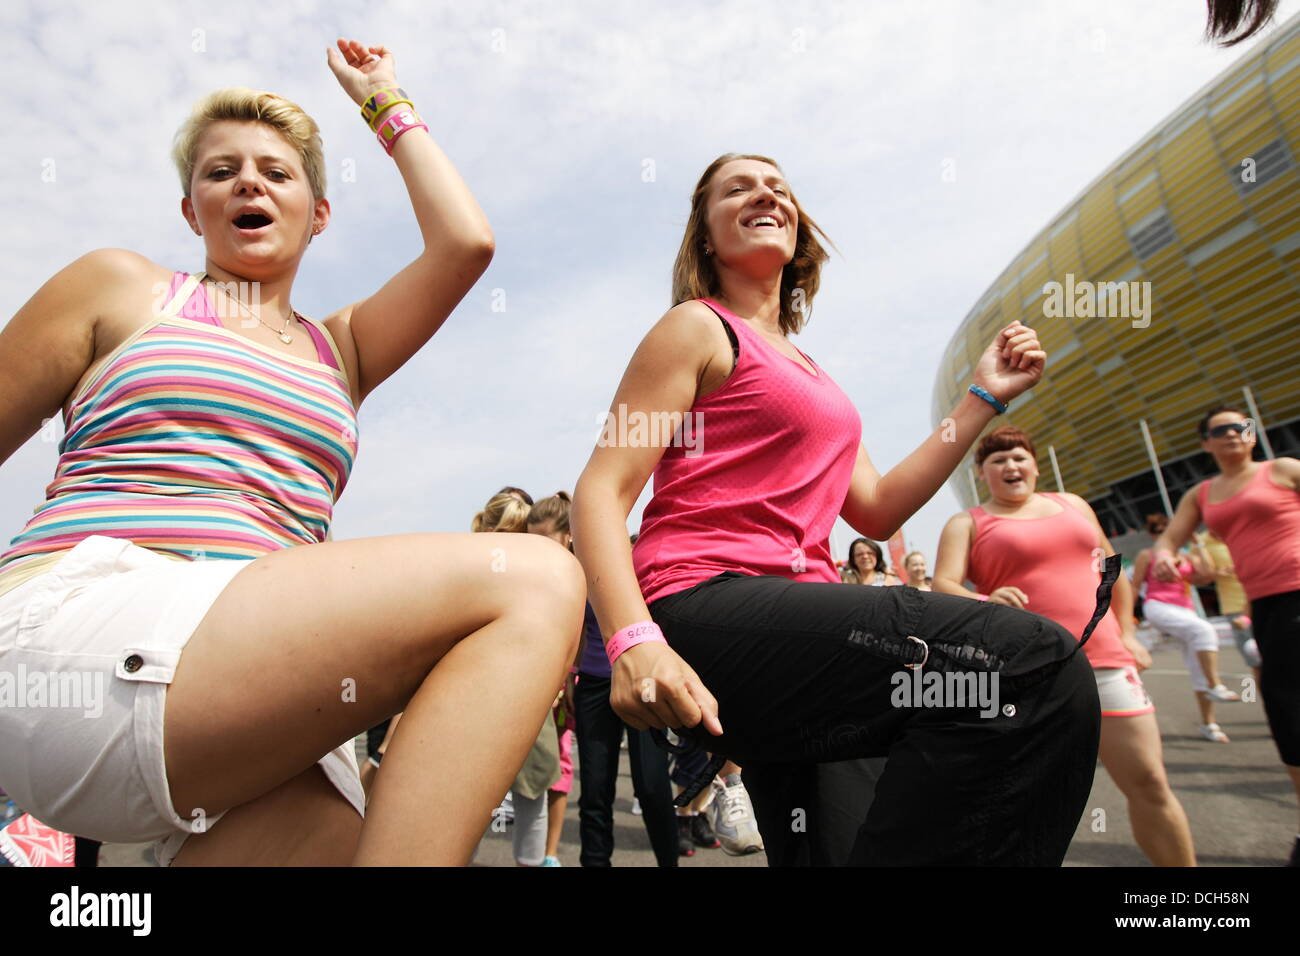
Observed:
{"x":252,"y":220}
{"x":763,"y":222}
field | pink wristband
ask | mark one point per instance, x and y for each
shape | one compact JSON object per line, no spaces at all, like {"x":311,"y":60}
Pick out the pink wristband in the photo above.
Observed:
{"x":632,"y":635}
{"x":981,"y":597}
{"x":397,"y":123}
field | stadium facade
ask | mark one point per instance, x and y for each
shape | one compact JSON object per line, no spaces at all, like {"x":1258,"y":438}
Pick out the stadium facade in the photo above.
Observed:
{"x":1171,"y":283}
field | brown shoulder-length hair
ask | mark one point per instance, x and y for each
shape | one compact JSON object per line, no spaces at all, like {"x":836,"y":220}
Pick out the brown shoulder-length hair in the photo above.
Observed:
{"x":694,"y":276}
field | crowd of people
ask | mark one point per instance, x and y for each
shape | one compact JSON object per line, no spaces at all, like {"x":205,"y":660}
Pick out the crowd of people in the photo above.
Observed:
{"x":183,"y":558}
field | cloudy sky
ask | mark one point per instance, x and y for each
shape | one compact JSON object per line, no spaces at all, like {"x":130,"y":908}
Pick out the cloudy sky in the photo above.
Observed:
{"x":582,"y":127}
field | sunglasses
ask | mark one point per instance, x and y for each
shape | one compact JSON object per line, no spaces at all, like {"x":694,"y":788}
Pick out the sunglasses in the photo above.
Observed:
{"x":1218,"y":431}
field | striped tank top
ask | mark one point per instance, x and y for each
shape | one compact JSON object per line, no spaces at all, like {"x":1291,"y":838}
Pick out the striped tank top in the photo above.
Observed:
{"x":197,"y":443}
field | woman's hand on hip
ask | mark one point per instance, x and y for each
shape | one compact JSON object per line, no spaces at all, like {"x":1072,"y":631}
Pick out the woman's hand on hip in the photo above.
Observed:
{"x":361,"y":70}
{"x":653,"y":687}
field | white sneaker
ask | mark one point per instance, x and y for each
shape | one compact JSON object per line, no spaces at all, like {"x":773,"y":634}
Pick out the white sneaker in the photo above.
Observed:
{"x":636,"y":806}
{"x":1214,"y":733}
{"x":732,"y":817}
{"x":1222,"y":695}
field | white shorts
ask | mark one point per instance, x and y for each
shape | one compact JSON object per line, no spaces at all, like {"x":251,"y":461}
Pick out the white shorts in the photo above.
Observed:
{"x":1192,"y":631}
{"x":1121,"y":692}
{"x":87,"y":650}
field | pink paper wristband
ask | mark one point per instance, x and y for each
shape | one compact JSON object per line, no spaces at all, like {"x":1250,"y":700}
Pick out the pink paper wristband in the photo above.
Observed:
{"x":632,"y":635}
{"x":981,"y":597}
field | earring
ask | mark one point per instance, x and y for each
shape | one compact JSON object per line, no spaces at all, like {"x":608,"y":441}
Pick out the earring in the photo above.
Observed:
{"x":708,"y":251}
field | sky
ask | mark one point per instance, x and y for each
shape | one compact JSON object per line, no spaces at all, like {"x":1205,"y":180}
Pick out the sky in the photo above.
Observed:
{"x":930,"y":140}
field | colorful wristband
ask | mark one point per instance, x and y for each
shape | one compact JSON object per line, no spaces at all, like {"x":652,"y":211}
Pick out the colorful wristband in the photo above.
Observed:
{"x":632,"y":635}
{"x":398,"y":123}
{"x":380,"y":100}
{"x":981,"y":597}
{"x":988,"y":397}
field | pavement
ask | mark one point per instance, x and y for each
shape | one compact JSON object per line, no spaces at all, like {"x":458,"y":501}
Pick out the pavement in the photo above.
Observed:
{"x":1238,"y":797}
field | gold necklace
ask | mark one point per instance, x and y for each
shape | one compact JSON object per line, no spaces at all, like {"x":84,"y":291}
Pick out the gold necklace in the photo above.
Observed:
{"x":283,"y":333}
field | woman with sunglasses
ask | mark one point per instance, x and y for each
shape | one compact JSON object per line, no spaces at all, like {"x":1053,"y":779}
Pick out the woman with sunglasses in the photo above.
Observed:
{"x":1254,"y":506}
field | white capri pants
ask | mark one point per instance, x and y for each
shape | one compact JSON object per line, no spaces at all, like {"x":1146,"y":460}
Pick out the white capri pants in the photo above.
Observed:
{"x":102,"y":632}
{"x":1192,"y":632}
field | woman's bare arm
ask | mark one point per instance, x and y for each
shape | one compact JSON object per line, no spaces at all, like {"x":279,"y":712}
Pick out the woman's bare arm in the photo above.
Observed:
{"x":953,"y":559}
{"x":50,"y":342}
{"x":877,"y":506}
{"x":660,"y":383}
{"x":395,"y":322}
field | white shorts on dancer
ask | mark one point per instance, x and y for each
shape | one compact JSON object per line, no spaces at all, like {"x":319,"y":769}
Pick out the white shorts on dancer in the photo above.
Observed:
{"x":1192,"y":631}
{"x":102,"y":632}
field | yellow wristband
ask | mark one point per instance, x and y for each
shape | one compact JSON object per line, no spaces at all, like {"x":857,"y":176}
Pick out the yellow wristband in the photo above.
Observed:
{"x":380,"y":100}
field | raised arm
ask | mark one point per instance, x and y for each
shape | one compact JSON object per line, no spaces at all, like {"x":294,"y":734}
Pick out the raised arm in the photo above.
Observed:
{"x":662,"y":377}
{"x":47,"y":346}
{"x":395,"y":322}
{"x":877,"y":506}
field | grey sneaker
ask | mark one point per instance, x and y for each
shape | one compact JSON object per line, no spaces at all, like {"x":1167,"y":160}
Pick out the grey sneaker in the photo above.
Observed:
{"x":732,"y":816}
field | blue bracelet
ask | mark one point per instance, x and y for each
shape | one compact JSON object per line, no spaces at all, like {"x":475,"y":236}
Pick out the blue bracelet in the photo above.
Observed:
{"x":984,"y":394}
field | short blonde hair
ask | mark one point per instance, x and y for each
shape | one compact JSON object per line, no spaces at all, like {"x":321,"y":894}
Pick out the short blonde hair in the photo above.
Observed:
{"x":694,"y":276}
{"x":240,"y":104}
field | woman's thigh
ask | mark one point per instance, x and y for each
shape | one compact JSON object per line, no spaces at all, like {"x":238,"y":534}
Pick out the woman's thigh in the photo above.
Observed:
{"x":810,"y":672}
{"x":307,"y":647}
{"x":303,"y":822}
{"x":1132,"y":753}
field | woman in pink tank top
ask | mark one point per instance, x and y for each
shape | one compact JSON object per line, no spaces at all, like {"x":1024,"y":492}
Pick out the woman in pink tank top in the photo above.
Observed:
{"x":1168,"y":607}
{"x":1042,"y":552}
{"x":727,"y":621}
{"x":1254,"y":507}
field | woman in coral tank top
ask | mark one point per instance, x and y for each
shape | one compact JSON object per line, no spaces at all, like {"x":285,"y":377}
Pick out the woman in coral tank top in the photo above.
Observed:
{"x":728,"y":621}
{"x":1041,"y":552}
{"x":1254,"y":506}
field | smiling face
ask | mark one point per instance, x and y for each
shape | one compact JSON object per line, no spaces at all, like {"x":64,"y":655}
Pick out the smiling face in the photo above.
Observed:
{"x":250,"y":198}
{"x":864,"y":559}
{"x":916,"y":566}
{"x":1011,"y":475}
{"x":751,"y":221}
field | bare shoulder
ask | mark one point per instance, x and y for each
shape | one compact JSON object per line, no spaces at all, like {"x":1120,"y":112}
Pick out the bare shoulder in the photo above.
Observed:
{"x":1079,"y":503}
{"x":694,"y":336}
{"x":961,"y":521}
{"x":124,"y":286}
{"x":1287,"y":469}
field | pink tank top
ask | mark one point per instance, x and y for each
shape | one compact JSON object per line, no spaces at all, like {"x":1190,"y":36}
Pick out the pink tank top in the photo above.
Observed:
{"x":1051,"y":560}
{"x":1166,"y":592}
{"x":1261,"y":527}
{"x":756,"y":481}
